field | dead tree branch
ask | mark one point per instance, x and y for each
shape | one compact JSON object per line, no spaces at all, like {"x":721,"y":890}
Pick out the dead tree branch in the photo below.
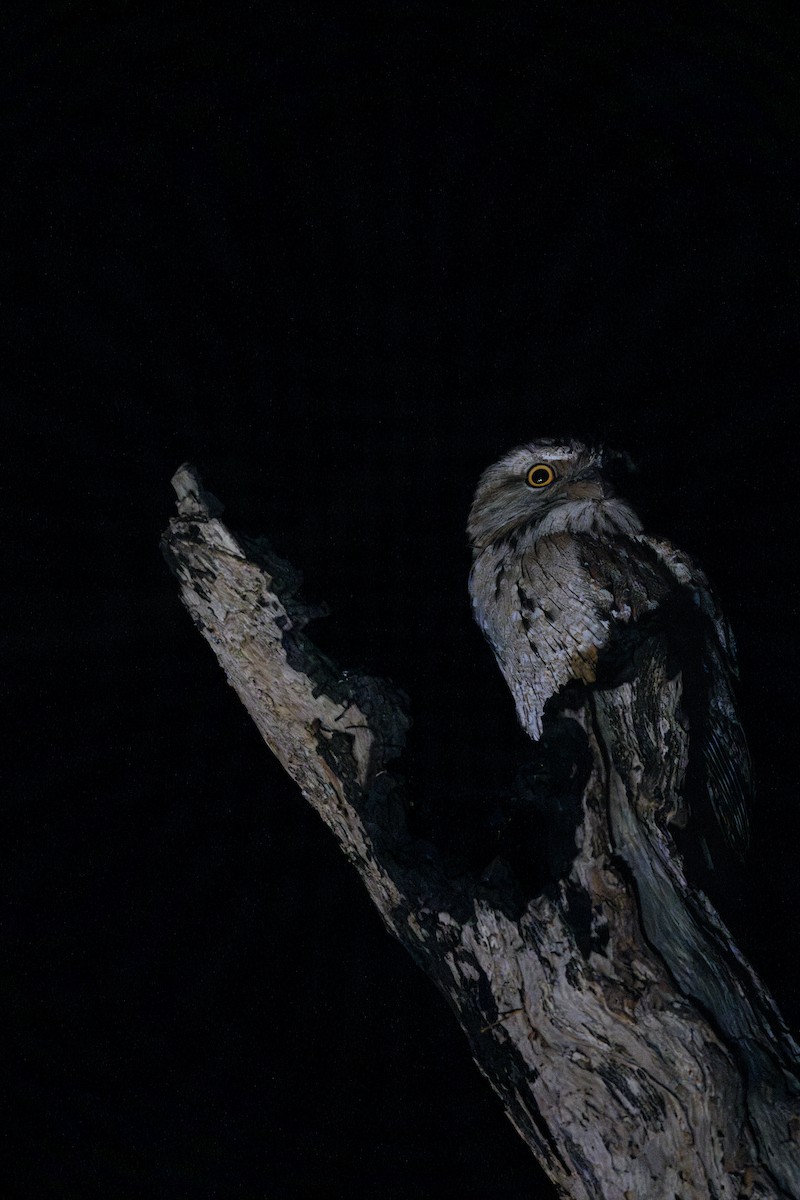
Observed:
{"x":632,"y":1046}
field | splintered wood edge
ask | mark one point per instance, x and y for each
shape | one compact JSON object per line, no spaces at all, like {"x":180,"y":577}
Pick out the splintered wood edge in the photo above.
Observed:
{"x":333,"y":731}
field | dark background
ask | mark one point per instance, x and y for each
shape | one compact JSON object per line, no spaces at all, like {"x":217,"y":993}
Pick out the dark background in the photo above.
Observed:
{"x":342,"y":263}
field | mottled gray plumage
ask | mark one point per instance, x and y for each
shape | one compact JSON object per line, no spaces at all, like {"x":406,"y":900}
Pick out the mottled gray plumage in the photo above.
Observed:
{"x":563,"y":584}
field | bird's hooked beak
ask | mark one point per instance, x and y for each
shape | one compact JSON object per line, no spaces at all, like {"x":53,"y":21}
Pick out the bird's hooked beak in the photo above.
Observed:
{"x":590,"y":485}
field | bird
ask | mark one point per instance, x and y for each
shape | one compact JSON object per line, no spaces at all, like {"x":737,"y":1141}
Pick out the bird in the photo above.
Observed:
{"x":569,"y":591}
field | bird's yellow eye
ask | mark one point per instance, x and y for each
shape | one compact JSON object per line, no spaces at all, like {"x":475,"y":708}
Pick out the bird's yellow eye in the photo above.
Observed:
{"x":540,"y":475}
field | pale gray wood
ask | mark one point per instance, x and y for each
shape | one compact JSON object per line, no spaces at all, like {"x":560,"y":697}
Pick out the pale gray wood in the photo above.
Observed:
{"x":654,"y":1066}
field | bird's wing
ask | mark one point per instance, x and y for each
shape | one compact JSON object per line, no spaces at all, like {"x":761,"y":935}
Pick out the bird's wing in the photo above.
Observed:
{"x":577,"y":608}
{"x":715,"y":729}
{"x":729,"y":777}
{"x":689,"y":575}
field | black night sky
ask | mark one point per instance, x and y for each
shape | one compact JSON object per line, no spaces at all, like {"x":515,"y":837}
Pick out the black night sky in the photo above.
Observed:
{"x":341,"y":262}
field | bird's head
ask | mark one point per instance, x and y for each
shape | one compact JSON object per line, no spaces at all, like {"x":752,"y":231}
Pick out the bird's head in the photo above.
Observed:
{"x":550,"y":486}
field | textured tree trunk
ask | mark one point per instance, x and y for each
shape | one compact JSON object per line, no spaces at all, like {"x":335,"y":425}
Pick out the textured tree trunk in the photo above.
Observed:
{"x":634,"y":1049}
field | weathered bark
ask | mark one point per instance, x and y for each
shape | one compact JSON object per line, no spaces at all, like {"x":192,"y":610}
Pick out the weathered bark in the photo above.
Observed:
{"x":633,"y":1048}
